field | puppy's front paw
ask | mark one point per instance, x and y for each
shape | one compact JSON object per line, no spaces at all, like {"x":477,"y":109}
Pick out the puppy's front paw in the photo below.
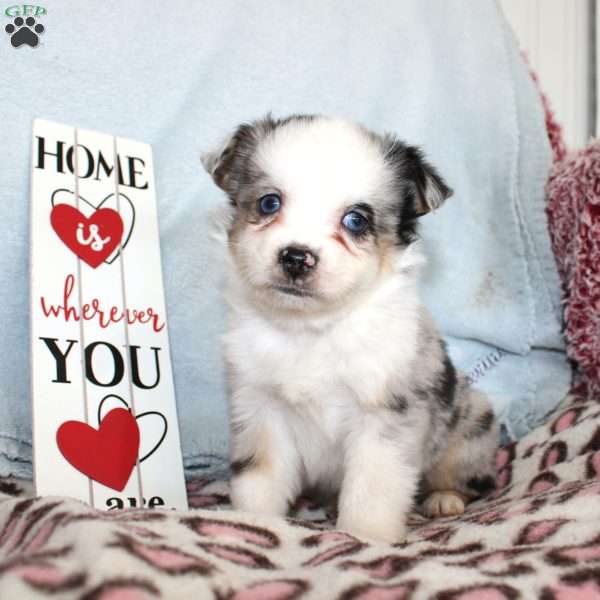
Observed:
{"x":256,"y":492}
{"x":374,"y":526}
{"x":444,"y":504}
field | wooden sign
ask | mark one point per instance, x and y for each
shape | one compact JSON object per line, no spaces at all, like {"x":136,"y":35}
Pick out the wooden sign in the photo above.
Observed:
{"x":105,"y":425}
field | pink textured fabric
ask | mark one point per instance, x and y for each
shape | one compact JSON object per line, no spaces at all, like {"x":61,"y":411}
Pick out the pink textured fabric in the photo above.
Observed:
{"x":573,"y":191}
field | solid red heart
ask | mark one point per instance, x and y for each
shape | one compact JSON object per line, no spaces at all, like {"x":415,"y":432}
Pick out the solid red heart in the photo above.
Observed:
{"x":92,"y":239}
{"x":106,"y":455}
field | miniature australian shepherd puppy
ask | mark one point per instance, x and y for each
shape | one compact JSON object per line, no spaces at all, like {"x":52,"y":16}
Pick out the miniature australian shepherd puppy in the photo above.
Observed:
{"x":340,"y":381}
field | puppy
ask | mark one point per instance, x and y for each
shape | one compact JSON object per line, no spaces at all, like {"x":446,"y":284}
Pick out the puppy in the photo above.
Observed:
{"x":340,"y":381}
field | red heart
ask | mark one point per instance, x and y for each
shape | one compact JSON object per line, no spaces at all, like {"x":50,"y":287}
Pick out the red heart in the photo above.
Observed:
{"x":66,"y":220}
{"x":106,"y":455}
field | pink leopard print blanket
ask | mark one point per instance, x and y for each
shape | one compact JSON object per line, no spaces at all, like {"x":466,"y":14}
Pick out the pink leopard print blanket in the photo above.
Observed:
{"x":538,"y":536}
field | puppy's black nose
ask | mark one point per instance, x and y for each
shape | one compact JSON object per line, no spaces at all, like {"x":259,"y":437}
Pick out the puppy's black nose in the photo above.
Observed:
{"x":297,"y":261}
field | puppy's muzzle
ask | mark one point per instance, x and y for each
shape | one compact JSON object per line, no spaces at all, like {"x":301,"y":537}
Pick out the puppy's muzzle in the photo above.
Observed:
{"x":296,"y":261}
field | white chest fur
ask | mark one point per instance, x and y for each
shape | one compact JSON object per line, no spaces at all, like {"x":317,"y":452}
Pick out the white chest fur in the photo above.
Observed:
{"x":322,"y":377}
{"x":352,"y":358}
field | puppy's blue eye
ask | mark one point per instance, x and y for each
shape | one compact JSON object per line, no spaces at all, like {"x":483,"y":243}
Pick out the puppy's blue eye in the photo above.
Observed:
{"x":355,"y":222}
{"x":269,"y":204}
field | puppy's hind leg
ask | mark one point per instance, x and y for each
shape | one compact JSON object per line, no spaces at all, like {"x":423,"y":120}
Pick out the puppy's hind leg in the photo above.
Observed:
{"x":466,"y":467}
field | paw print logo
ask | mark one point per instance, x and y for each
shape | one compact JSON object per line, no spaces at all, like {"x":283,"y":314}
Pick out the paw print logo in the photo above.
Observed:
{"x":24,"y":32}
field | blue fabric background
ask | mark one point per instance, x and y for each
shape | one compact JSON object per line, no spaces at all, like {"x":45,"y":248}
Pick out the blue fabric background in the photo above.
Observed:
{"x":443,"y":74}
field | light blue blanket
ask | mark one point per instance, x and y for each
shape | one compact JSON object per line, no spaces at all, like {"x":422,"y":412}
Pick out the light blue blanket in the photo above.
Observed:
{"x":444,"y":74}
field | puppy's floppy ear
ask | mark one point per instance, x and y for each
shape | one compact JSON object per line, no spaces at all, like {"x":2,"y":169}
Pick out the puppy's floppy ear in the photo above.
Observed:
{"x":431,"y":190}
{"x":426,"y":189}
{"x":220,"y":164}
{"x":230,"y":165}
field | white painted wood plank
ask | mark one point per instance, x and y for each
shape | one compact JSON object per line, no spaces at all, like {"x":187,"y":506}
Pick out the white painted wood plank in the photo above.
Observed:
{"x":52,"y":399}
{"x":597,"y":55}
{"x":555,"y":36}
{"x":103,"y":282}
{"x":139,"y":262}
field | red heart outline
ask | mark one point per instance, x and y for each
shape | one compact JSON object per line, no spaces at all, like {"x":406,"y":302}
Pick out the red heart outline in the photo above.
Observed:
{"x":107,"y":454}
{"x":65,"y":218}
